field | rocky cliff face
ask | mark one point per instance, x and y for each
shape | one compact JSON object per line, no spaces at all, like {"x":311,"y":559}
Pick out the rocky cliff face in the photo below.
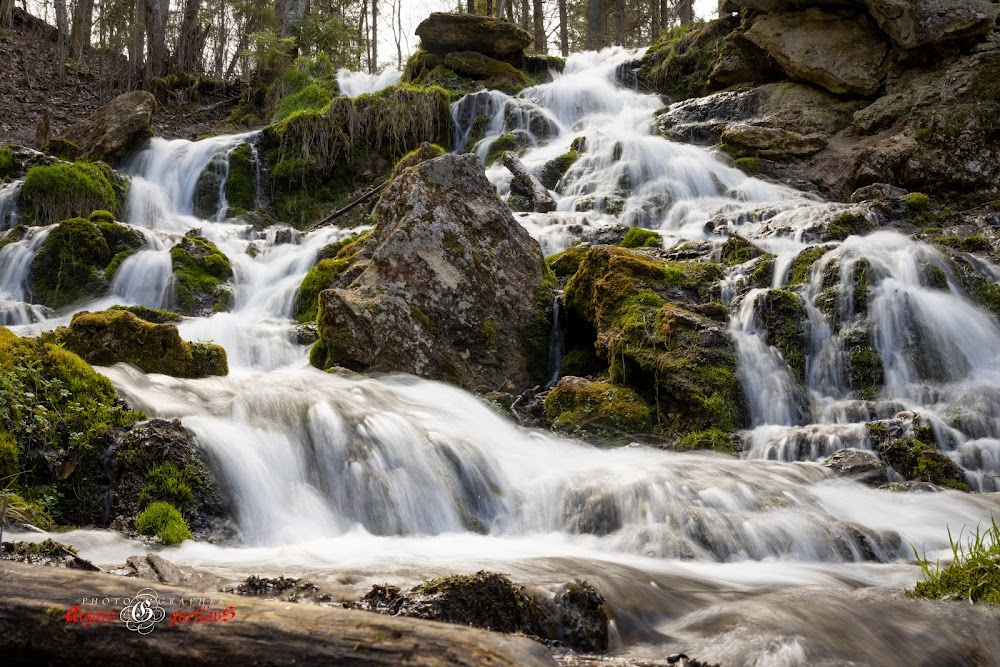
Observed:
{"x":448,"y":286}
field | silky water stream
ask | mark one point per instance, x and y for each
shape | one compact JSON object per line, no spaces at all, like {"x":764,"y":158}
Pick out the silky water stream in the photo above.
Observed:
{"x":766,"y":560}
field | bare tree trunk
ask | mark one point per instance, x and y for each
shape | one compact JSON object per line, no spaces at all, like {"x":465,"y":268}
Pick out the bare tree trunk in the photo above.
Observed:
{"x":472,"y":6}
{"x":525,"y":15}
{"x":7,"y":13}
{"x":221,"y":41}
{"x":685,"y":11}
{"x":540,"y":38}
{"x":596,"y":25}
{"x":489,"y":7}
{"x":187,"y":40}
{"x":374,"y":66}
{"x":61,"y":24}
{"x":156,"y":37}
{"x":83,"y":18}
{"x":619,"y":22}
{"x":135,"y":51}
{"x":563,"y":30}
{"x":654,"y":22}
{"x":399,"y":33}
{"x":501,"y":7}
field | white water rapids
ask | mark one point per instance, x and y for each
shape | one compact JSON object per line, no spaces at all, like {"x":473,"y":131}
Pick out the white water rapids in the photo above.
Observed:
{"x":350,"y":481}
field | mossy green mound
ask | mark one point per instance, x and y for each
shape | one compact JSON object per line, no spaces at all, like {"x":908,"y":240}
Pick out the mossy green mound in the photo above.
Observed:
{"x":637,"y":237}
{"x":9,"y":165}
{"x":643,"y":314}
{"x":119,"y":336}
{"x":335,"y":258}
{"x":163,"y":520}
{"x":914,"y":459}
{"x":737,"y":250}
{"x":679,"y":63}
{"x":576,"y":404}
{"x":73,"y":263}
{"x":62,"y":415}
{"x":60,"y":191}
{"x":465,"y":72}
{"x":200,"y":273}
{"x":422,"y":153}
{"x":241,"y":183}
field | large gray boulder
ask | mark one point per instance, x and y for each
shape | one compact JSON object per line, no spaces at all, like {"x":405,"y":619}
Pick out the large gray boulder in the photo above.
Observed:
{"x":846,"y":54}
{"x":114,"y":130}
{"x":452,"y":288}
{"x":919,"y":23}
{"x":442,"y":33}
{"x":788,"y":5}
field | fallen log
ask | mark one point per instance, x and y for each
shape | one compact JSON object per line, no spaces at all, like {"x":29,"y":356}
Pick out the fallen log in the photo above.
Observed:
{"x":339,"y":212}
{"x":35,"y":602}
{"x":541,"y":200}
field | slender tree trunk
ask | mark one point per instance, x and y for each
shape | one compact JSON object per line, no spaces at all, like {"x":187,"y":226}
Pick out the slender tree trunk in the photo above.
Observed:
{"x":526,"y":15}
{"x":374,"y":67}
{"x":83,"y":16}
{"x":472,"y":6}
{"x":539,"y":20}
{"x":563,"y":29}
{"x":654,"y":20}
{"x":399,"y":33}
{"x":135,"y":51}
{"x":61,"y":25}
{"x":221,"y":41}
{"x":156,"y":37}
{"x":489,"y":7}
{"x":597,"y":29}
{"x":619,"y":22}
{"x":7,"y":13}
{"x":187,"y":40}
{"x":685,"y":12}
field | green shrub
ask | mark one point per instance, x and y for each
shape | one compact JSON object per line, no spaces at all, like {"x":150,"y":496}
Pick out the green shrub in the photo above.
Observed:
{"x":167,"y":483}
{"x":973,"y":575}
{"x":8,"y":460}
{"x":60,"y":191}
{"x":163,"y":520}
{"x":8,"y":163}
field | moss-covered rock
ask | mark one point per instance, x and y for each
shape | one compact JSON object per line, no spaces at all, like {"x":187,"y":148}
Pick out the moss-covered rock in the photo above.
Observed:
{"x":119,"y":336}
{"x":72,"y":262}
{"x":63,"y":416}
{"x":241,"y":182}
{"x":803,"y":263}
{"x":737,"y":250}
{"x":864,"y":364}
{"x":784,"y":321}
{"x":637,"y":237}
{"x":164,"y":521}
{"x":9,"y":164}
{"x":848,"y":223}
{"x":501,"y":145}
{"x":915,"y":459}
{"x":201,"y":272}
{"x":60,"y":191}
{"x":422,"y":153}
{"x":565,"y":263}
{"x":577,"y":404}
{"x":334,"y":259}
{"x":679,"y":64}
{"x":553,"y":171}
{"x":153,"y":315}
{"x":115,"y":130}
{"x":319,"y":158}
{"x":643,"y":315}
{"x":468,"y":71}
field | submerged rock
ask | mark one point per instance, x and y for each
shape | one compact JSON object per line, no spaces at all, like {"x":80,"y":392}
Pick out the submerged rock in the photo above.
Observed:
{"x":450,"y":287}
{"x":47,"y":552}
{"x":117,"y":336}
{"x":573,"y":616}
{"x":201,"y":276}
{"x":860,"y":465}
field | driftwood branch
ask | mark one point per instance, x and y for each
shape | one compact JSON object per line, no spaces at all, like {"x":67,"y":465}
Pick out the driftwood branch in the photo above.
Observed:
{"x":363,"y":198}
{"x":34,"y":601}
{"x":541,"y":200}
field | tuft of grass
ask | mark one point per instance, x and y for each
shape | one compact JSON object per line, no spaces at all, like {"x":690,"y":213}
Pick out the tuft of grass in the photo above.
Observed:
{"x":163,"y":519}
{"x":973,"y":575}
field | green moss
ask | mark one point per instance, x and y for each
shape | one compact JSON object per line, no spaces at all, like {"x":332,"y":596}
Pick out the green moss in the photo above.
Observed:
{"x":663,"y":350}
{"x":151,"y":314}
{"x":973,"y":574}
{"x":737,"y":250}
{"x":914,"y":459}
{"x":565,"y":263}
{"x":713,"y":438}
{"x":60,"y":191}
{"x":21,"y":511}
{"x":783,"y":318}
{"x":14,"y":235}
{"x":422,"y":153}
{"x":803,"y":263}
{"x":580,"y":405}
{"x":864,"y":364}
{"x":336,"y":257}
{"x":581,"y":362}
{"x":71,"y":264}
{"x":637,"y":237}
{"x":535,"y":336}
{"x":553,"y":170}
{"x":861,"y":287}
{"x":500,"y":145}
{"x":974,"y":243}
{"x":934,"y":277}
{"x":847,"y":224}
{"x":9,"y":467}
{"x":200,"y":269}
{"x":102,"y":216}
{"x":62,"y":415}
{"x":749,"y":165}
{"x":167,"y":483}
{"x":466,"y":72}
{"x":241,"y":183}
{"x":9,"y":166}
{"x":680,"y":62}
{"x":115,"y":336}
{"x":762,"y":274}
{"x":922,"y":210}
{"x":164,"y":521}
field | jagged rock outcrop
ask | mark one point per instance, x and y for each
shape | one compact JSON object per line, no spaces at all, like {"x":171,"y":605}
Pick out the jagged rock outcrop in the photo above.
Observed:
{"x":923,"y":23}
{"x":845,"y":54}
{"x":114,"y":130}
{"x":448,"y":286}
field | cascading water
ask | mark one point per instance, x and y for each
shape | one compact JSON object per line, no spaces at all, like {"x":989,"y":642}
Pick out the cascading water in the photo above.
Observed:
{"x":353,"y":84}
{"x":398,"y":479}
{"x":8,"y":204}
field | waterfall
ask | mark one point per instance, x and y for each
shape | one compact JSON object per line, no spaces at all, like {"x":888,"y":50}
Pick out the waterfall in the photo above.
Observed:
{"x":353,"y":84}
{"x":9,"y":216}
{"x":395,"y":479}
